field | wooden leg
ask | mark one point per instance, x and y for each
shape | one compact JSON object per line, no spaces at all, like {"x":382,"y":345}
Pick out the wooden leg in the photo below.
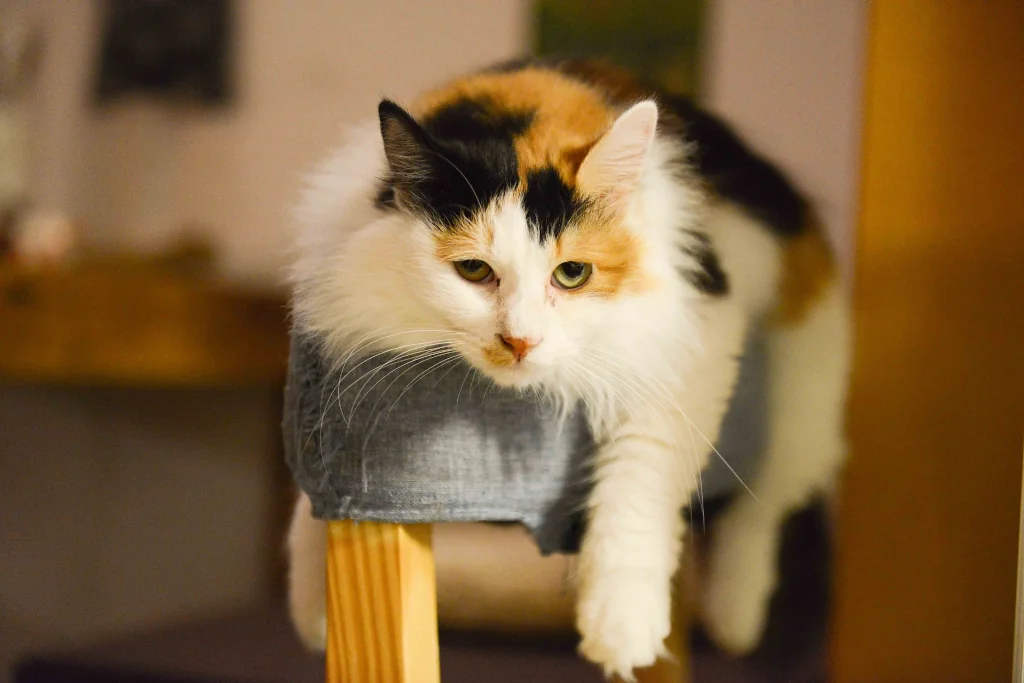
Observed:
{"x":381,"y":604}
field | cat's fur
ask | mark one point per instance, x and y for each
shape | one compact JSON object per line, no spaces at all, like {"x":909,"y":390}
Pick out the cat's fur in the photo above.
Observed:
{"x":693,"y":239}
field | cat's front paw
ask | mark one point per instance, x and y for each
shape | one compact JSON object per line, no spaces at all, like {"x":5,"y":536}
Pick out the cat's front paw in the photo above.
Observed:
{"x":623,"y":620}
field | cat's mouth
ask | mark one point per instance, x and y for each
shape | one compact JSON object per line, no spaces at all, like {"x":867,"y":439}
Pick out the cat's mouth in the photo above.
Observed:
{"x":515,"y":376}
{"x":502,"y":367}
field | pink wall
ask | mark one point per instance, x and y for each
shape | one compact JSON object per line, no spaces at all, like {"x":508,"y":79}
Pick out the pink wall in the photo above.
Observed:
{"x":788,"y":74}
{"x":137,"y":172}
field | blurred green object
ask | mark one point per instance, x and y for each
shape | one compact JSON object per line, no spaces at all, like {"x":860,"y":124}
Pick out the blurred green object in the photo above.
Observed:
{"x":656,"y":38}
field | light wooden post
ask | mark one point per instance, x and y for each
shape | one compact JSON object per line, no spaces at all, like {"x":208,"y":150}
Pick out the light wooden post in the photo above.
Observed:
{"x":1018,"y":631}
{"x":927,"y":537}
{"x":381,"y":604}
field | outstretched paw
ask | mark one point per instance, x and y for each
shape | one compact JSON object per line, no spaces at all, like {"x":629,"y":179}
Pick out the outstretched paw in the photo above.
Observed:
{"x":623,"y":621}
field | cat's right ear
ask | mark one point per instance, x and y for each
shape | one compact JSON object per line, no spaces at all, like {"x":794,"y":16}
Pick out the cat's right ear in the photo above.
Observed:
{"x":407,"y":146}
{"x":614,"y":167}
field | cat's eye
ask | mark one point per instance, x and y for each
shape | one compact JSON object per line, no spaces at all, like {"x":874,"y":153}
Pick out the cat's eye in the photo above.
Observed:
{"x":474,"y":270}
{"x":571,"y":274}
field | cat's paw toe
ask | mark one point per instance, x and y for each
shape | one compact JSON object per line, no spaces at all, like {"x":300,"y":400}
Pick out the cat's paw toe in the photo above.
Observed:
{"x":623,"y":625}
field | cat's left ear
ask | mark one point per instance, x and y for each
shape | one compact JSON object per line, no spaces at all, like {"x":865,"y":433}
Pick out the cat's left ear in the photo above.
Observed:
{"x":407,"y":146}
{"x":614,"y":166}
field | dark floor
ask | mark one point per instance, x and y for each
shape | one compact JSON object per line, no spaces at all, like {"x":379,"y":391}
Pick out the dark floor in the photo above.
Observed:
{"x":260,"y":647}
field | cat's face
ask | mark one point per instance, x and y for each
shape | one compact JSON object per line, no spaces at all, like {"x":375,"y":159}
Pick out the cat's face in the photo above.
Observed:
{"x":524,"y":306}
{"x":526,"y":267}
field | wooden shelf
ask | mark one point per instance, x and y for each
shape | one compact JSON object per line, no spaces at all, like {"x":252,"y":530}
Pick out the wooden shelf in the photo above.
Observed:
{"x":137,"y":326}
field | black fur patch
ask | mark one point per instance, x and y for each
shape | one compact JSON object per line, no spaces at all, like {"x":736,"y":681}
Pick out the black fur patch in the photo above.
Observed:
{"x":476,"y":120}
{"x":721,"y":157}
{"x":385,"y":199}
{"x":549,"y":203}
{"x":462,"y":157}
{"x":736,"y":172}
{"x":710,"y":278}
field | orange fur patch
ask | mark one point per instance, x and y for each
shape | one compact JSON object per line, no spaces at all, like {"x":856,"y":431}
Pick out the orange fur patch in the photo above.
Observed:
{"x":499,"y":355}
{"x":470,"y":239}
{"x":614,"y":252}
{"x":568,"y":115}
{"x":807,"y":269}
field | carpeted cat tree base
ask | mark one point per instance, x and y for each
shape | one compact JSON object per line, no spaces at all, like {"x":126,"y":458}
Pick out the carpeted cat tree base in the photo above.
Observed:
{"x":409,"y":442}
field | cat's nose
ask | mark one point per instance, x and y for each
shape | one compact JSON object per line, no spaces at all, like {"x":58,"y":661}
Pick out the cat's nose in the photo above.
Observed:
{"x":519,"y":346}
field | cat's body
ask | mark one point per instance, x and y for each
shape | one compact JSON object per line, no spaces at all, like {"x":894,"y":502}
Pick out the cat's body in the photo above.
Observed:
{"x":562,"y":232}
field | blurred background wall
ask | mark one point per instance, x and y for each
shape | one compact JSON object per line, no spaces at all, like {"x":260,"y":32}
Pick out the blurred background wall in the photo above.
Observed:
{"x":789,"y":74}
{"x":124,"y":508}
{"x":79,"y":464}
{"x":134,"y":172}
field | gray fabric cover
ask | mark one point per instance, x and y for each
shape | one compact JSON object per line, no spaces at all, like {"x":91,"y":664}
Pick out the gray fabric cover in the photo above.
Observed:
{"x":452,"y":447}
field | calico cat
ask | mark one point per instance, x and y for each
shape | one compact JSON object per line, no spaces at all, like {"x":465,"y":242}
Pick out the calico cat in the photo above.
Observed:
{"x":567,"y":228}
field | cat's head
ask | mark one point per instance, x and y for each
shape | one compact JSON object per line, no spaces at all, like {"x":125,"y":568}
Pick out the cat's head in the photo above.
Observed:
{"x":512,"y":232}
{"x":529,"y":226}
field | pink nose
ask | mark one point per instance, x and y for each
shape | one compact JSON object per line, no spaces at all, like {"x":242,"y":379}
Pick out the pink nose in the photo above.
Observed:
{"x":519,"y":346}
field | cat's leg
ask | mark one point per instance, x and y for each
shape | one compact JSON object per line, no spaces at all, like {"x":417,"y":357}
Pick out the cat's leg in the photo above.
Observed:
{"x":808,"y":366}
{"x":644,"y":475}
{"x":307,"y":575}
{"x":629,"y":554}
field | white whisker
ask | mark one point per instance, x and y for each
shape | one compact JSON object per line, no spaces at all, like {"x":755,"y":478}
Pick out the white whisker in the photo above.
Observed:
{"x":398,"y":365}
{"x":416,"y":379}
{"x":665,"y":394}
